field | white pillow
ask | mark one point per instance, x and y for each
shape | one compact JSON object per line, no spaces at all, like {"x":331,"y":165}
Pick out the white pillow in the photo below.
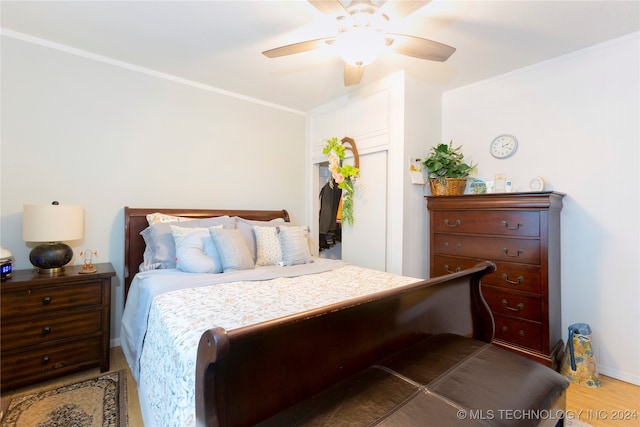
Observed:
{"x":195,"y":251}
{"x":157,"y":217}
{"x":268,"y":250}
{"x":294,"y":245}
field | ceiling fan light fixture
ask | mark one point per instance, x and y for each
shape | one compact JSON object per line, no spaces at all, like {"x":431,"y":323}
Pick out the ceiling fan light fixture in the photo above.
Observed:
{"x":360,"y":45}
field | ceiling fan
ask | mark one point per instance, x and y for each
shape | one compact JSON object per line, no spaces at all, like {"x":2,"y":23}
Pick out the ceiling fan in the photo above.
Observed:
{"x":361,"y":35}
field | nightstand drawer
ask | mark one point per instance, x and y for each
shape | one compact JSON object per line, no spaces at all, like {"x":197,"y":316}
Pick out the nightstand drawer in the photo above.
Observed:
{"x":38,"y":302}
{"x":49,"y":361}
{"x":34,"y":331}
{"x":491,"y":248}
{"x":520,"y":332}
{"x":512,"y":303}
{"x":504,"y":223}
{"x":521,"y":277}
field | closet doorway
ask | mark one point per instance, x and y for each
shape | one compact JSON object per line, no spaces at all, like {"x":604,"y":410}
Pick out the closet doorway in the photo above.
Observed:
{"x":364,"y":243}
{"x":329,"y":221}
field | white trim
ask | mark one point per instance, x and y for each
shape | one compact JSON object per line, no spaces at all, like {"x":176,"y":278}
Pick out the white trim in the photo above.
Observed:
{"x":618,"y":374}
{"x":104,"y":59}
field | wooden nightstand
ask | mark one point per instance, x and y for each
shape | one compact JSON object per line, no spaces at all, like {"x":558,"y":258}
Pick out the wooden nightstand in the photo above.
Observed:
{"x":54,"y":325}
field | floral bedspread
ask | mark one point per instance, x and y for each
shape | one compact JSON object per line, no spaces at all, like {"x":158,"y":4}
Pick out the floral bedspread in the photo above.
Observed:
{"x":177,"y":320}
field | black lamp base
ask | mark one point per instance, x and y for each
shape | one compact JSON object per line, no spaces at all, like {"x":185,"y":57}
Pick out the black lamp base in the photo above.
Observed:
{"x":50,"y":258}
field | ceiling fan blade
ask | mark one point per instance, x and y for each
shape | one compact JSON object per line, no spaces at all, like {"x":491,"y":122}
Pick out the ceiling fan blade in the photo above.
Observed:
{"x":329,"y":7}
{"x":294,"y":48}
{"x":352,"y":75}
{"x":421,"y":48}
{"x":396,"y":9}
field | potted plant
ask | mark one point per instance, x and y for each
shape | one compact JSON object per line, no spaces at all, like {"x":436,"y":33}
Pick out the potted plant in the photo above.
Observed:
{"x":448,"y":173}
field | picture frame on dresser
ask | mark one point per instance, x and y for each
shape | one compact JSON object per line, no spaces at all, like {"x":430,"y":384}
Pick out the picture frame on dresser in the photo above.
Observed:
{"x":520,"y":233}
{"x":53,"y":325}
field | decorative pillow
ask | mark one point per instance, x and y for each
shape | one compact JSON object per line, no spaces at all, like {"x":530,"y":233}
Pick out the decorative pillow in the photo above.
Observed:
{"x":246,"y":227}
{"x":158,"y":217}
{"x":268,"y":250}
{"x":294,"y":245}
{"x":195,"y":251}
{"x":159,"y":239}
{"x":233,"y":249}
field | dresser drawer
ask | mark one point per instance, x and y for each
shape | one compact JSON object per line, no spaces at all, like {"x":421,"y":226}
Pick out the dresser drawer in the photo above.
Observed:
{"x":512,"y":303}
{"x":517,"y":331}
{"x":489,"y":248}
{"x":49,"y":361}
{"x":39,"y":302}
{"x":503,"y":223}
{"x":33,"y":331}
{"x":521,"y":277}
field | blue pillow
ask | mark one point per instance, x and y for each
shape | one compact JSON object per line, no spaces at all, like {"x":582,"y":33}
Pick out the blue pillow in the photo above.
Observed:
{"x":233,"y":249}
{"x":195,"y":250}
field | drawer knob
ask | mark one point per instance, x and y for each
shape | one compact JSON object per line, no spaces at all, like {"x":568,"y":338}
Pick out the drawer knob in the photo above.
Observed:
{"x":449,"y":270}
{"x":516,"y":308}
{"x":505,"y":328}
{"x":46,"y":300}
{"x":506,"y":225}
{"x":448,"y":224}
{"x":45,"y":360}
{"x":521,"y":332}
{"x":519,"y":280}
{"x":46,"y":330}
{"x":517,"y":254}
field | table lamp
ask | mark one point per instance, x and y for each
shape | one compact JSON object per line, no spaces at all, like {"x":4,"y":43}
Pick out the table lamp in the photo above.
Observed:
{"x":50,"y":225}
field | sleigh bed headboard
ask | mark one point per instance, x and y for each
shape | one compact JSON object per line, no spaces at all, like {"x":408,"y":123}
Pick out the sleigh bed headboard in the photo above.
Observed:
{"x":135,"y":220}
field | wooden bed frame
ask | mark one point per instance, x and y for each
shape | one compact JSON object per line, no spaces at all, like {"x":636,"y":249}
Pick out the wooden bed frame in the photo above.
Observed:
{"x":135,"y":220}
{"x":248,"y":374}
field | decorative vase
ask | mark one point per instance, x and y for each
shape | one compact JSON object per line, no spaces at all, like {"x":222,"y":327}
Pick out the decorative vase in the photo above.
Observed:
{"x":451,"y":186}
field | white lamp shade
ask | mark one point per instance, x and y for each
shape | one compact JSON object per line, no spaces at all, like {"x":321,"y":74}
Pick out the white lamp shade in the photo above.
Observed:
{"x":52,"y":223}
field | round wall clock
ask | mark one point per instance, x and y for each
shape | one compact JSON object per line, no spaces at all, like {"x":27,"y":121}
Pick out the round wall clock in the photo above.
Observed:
{"x":503,"y":146}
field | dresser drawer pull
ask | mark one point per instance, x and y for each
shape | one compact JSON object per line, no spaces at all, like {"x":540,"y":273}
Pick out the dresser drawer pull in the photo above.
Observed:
{"x":46,"y":330}
{"x":45,"y":360}
{"x":521,"y":332}
{"x":518,"y":253}
{"x":448,"y":224}
{"x":449,"y":270}
{"x":517,"y":308}
{"x":506,"y":225}
{"x":519,"y":280}
{"x":505,"y":328}
{"x":46,"y":300}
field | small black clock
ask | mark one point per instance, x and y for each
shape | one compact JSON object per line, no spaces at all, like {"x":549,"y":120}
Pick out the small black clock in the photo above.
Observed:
{"x":6,"y":263}
{"x":6,"y":268}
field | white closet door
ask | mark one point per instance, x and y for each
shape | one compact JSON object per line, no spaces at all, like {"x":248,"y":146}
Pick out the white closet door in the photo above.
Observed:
{"x":364,"y":243}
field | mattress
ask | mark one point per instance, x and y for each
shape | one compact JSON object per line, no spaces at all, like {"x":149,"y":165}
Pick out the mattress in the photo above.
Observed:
{"x":167,"y":311}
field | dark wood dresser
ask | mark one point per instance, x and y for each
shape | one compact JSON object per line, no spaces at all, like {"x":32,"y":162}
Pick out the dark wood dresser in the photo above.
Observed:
{"x":54,"y":325}
{"x":520,"y":232}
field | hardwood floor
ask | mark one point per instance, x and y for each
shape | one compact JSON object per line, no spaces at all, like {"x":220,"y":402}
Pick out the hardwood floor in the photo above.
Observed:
{"x":614,"y":404}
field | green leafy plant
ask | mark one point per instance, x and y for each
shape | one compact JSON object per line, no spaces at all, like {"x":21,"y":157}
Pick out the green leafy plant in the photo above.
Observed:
{"x":446,"y":161}
{"x":344,"y":176}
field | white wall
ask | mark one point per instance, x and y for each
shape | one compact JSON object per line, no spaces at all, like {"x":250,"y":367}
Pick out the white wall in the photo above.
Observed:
{"x":577,"y":120}
{"x":392,"y":120}
{"x":86,"y":132}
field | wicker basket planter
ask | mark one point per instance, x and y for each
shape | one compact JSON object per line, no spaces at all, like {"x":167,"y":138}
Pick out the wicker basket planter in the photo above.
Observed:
{"x":451,"y":187}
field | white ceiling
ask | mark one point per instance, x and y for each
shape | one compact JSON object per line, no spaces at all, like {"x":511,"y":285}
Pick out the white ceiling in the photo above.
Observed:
{"x":219,"y":43}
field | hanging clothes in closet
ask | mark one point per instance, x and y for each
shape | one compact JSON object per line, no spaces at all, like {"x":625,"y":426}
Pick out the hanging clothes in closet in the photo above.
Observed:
{"x":329,"y":227}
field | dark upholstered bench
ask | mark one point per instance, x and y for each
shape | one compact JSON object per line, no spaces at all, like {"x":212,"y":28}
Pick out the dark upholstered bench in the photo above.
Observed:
{"x":443,"y":380}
